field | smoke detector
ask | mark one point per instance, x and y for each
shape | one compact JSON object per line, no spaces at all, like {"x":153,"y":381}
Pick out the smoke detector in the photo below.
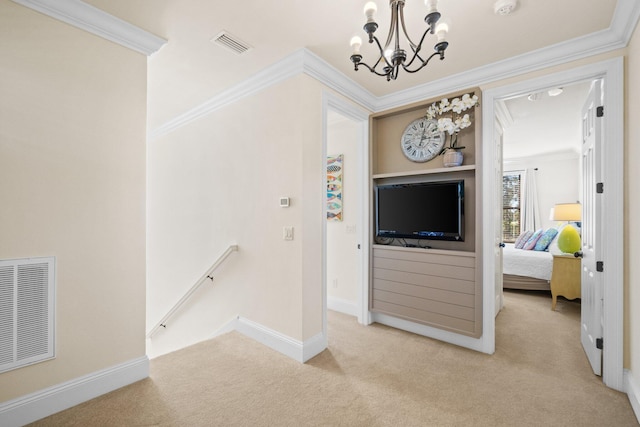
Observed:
{"x":504,"y":7}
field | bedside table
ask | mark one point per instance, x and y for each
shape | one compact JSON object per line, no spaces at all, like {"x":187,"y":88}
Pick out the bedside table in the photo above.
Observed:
{"x":565,"y":278}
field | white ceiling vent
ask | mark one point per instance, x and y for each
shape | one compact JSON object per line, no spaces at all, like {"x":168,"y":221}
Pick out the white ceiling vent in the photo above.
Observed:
{"x":231,"y":42}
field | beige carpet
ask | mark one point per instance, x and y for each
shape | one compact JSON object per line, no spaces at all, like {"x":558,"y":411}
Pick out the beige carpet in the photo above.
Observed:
{"x":376,"y":376}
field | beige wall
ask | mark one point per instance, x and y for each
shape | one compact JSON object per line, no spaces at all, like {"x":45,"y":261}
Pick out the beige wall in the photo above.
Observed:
{"x":632,"y":207}
{"x":72,"y":174}
{"x":217,"y":181}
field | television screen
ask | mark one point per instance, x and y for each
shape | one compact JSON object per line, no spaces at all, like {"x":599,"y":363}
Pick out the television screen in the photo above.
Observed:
{"x":428,"y":210}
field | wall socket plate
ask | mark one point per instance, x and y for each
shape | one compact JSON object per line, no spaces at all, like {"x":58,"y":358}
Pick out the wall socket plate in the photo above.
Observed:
{"x":287,"y":233}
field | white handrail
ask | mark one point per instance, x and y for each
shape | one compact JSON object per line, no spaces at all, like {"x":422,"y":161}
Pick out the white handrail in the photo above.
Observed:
{"x":163,"y":322}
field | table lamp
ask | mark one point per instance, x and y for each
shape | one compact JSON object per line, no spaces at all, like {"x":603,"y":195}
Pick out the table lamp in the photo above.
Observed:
{"x":569,"y":238}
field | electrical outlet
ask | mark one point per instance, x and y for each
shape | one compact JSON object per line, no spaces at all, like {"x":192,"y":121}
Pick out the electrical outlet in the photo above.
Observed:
{"x":287,"y":233}
{"x":335,"y":283}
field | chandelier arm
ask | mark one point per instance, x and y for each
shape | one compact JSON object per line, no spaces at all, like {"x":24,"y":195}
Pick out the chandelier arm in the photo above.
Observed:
{"x":423,"y":64}
{"x":386,"y":61}
{"x":373,"y":70}
{"x":394,"y":18}
{"x":414,"y":47}
{"x":416,"y":51}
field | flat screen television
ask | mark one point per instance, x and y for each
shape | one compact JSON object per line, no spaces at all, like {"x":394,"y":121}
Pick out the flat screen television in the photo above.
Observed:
{"x":426,"y":210}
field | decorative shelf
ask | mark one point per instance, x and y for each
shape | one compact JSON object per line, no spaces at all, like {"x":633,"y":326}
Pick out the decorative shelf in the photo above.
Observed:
{"x":424,"y":172}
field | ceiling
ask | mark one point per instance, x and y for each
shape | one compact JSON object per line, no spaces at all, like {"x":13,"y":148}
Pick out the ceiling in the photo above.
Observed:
{"x":546,"y":124}
{"x":190,"y":69}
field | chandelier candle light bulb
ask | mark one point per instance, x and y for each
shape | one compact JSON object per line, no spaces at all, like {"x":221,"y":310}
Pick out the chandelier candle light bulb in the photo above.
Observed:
{"x":356,"y":42}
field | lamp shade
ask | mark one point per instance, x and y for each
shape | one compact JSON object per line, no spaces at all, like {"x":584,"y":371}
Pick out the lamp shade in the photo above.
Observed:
{"x":567,"y":212}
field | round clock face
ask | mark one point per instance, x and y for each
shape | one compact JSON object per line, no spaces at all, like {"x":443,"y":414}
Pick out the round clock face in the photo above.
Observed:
{"x":421,"y":140}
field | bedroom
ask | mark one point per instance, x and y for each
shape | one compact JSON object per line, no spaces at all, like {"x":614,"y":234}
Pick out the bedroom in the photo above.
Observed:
{"x":541,"y":168}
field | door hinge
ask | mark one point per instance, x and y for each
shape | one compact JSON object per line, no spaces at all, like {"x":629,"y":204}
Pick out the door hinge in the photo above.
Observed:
{"x":600,"y":266}
{"x":599,"y":343}
{"x":600,"y":187}
{"x":600,"y":111}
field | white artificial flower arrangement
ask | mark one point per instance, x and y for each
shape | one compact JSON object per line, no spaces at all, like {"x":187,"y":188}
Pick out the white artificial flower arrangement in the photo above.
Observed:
{"x":454,"y":121}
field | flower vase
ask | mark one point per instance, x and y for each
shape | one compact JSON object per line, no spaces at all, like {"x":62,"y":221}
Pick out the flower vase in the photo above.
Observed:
{"x":453,"y":158}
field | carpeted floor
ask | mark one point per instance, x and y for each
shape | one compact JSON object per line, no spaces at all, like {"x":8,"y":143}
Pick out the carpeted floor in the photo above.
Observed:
{"x":376,"y":376}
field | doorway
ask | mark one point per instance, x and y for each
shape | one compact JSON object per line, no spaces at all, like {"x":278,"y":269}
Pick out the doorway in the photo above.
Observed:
{"x":345,"y":288}
{"x":610,"y":220}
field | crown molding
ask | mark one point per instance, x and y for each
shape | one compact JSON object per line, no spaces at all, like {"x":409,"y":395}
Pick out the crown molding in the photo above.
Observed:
{"x":325,"y":73}
{"x":288,"y":67}
{"x":86,"y":17}
{"x":617,"y":36}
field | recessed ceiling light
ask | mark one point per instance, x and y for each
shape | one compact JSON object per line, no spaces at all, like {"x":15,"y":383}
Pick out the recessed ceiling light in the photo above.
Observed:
{"x":555,"y":91}
{"x":534,"y":96}
{"x":504,"y":7}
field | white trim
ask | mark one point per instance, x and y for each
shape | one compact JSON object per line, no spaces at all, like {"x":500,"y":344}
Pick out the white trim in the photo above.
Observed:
{"x":297,"y":350}
{"x":43,"y":403}
{"x":88,"y":18}
{"x":617,"y":36}
{"x":633,"y":392}
{"x":612,"y":71}
{"x":343,"y":306}
{"x":361,"y":117}
{"x":319,"y":69}
{"x":625,"y":17}
{"x":477,"y":344}
{"x":613,"y":226}
{"x":282,"y":70}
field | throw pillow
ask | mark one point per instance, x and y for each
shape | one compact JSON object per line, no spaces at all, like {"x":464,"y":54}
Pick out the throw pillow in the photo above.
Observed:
{"x":531,"y":243}
{"x":522,"y":239}
{"x":543,"y":242}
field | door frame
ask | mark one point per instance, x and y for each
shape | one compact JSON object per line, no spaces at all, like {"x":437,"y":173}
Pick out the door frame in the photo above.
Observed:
{"x":612,"y":222}
{"x":338,"y":104}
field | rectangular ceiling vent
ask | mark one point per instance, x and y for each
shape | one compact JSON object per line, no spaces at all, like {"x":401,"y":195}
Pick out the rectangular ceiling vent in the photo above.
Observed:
{"x":231,"y":42}
{"x":26,"y":311}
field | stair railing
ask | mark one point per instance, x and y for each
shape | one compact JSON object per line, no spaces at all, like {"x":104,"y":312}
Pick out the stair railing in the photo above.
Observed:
{"x":208,"y":275}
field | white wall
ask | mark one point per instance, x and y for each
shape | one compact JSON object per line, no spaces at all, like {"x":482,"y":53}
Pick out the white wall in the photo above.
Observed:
{"x":558,"y":180}
{"x":217,"y":181}
{"x":72,"y":168}
{"x":342,"y":253}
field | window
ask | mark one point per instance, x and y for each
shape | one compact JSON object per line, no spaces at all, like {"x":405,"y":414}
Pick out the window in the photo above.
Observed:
{"x":511,"y":202}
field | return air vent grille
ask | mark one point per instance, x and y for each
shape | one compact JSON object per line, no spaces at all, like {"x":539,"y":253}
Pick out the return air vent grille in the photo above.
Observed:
{"x":26,"y":311}
{"x":230,"y":42}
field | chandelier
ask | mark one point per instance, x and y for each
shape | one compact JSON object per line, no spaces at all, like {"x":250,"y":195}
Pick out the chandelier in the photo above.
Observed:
{"x":392,"y":57}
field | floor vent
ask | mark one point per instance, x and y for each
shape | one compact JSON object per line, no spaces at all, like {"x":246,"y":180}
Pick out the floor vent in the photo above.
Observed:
{"x":26,"y":311}
{"x":231,"y":43}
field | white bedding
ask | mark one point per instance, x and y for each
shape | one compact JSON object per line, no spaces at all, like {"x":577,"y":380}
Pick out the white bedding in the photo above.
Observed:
{"x":521,"y":262}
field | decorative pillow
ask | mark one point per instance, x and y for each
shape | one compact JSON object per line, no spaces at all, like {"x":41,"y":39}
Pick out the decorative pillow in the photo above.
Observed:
{"x":531,"y":243}
{"x":522,"y":239}
{"x":543,"y":242}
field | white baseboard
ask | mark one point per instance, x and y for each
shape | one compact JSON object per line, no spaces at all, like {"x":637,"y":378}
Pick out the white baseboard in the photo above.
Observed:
{"x":633,"y":392}
{"x":428,"y":331}
{"x":297,"y":350}
{"x":43,"y":403}
{"x":342,"y":306}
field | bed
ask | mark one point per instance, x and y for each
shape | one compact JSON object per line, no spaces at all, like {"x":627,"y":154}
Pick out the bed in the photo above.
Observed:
{"x":526,"y":269}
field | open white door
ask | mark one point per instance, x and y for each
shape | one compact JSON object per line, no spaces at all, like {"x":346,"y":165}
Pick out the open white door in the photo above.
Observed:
{"x":592,"y":295}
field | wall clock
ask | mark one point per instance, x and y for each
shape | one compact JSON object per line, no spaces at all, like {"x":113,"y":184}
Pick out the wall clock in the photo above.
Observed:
{"x":422,"y":141}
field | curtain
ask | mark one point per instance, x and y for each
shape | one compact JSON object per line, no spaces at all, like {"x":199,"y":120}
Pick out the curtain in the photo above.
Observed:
{"x":530,"y":208}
